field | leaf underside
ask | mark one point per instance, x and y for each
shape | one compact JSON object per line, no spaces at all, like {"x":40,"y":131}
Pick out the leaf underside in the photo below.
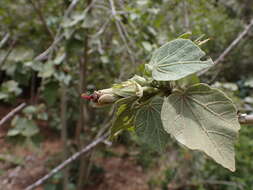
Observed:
{"x":149,"y":125}
{"x":177,"y":59}
{"x":205,"y":119}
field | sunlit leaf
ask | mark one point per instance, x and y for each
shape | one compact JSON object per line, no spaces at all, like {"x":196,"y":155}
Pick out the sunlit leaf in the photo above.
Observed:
{"x":186,"y":35}
{"x":30,"y":129}
{"x":177,"y":59}
{"x":47,"y":70}
{"x":147,"y":46}
{"x":13,"y":132}
{"x":203,"y":118}
{"x":249,"y":82}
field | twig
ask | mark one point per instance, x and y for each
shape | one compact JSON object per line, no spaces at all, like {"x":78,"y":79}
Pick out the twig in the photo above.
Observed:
{"x":101,"y":30}
{"x":42,"y":18}
{"x":84,"y":117}
{"x":234,"y":43}
{"x":43,"y":55}
{"x":64,"y":133}
{"x":231,"y":46}
{"x":4,"y":40}
{"x":12,"y":113}
{"x":186,"y":16}
{"x":85,"y":150}
{"x":59,"y":36}
{"x":67,"y":162}
{"x":245,"y":119}
{"x":121,"y":33}
{"x":13,"y":43}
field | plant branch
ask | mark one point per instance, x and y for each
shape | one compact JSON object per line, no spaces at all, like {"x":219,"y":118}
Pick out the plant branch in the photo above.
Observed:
{"x":12,"y":113}
{"x":245,"y":119}
{"x":4,"y":40}
{"x":43,"y":55}
{"x":42,"y":18}
{"x":59,"y":36}
{"x":84,"y":115}
{"x":120,"y":30}
{"x":67,"y":162}
{"x":13,"y":43}
{"x":231,"y":46}
{"x":64,"y":133}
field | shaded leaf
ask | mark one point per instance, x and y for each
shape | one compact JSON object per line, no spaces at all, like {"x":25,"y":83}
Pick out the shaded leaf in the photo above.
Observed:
{"x":50,"y":93}
{"x":124,"y":115}
{"x":205,"y":119}
{"x":177,"y":59}
{"x":188,"y":81}
{"x":149,"y":125}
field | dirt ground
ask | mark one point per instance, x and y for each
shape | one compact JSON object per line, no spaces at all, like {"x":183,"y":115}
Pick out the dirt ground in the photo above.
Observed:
{"x":119,"y":173}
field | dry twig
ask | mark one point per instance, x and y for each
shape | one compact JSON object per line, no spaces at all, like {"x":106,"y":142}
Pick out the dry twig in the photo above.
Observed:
{"x":42,"y":18}
{"x":12,"y":113}
{"x":59,"y":35}
{"x":121,"y":31}
{"x":67,"y":162}
{"x":4,"y":40}
{"x":231,"y":46}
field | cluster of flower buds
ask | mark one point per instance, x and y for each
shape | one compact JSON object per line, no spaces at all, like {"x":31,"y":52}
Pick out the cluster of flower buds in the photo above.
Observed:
{"x":134,"y":87}
{"x":101,"y":97}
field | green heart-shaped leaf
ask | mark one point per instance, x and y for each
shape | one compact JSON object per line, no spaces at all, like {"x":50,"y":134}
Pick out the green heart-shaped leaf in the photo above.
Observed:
{"x":149,"y":125}
{"x":177,"y":59}
{"x":205,"y":119}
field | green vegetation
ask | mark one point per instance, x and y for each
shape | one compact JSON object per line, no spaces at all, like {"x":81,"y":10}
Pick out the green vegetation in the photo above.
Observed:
{"x":53,"y":51}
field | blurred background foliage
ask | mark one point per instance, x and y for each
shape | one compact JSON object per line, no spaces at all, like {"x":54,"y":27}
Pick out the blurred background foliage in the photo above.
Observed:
{"x":98,"y":43}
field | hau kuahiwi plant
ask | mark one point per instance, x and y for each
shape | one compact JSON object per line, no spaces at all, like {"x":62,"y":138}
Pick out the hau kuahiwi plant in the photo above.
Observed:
{"x":169,"y":100}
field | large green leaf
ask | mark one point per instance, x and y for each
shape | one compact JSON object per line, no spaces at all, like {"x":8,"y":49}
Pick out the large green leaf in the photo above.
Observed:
{"x":149,"y":125}
{"x":177,"y":59}
{"x":205,"y":119}
{"x":124,"y":115}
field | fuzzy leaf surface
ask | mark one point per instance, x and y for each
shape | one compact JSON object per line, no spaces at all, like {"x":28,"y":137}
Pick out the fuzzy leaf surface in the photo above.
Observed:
{"x":149,"y":125}
{"x":177,"y":59}
{"x":205,"y":119}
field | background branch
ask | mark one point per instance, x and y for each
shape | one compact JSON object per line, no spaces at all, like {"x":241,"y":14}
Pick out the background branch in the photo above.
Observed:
{"x":245,"y":119}
{"x":41,"y":16}
{"x":12,"y":113}
{"x":4,"y":40}
{"x":231,"y":46}
{"x":67,"y":162}
{"x":10,"y":49}
{"x":64,"y":137}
